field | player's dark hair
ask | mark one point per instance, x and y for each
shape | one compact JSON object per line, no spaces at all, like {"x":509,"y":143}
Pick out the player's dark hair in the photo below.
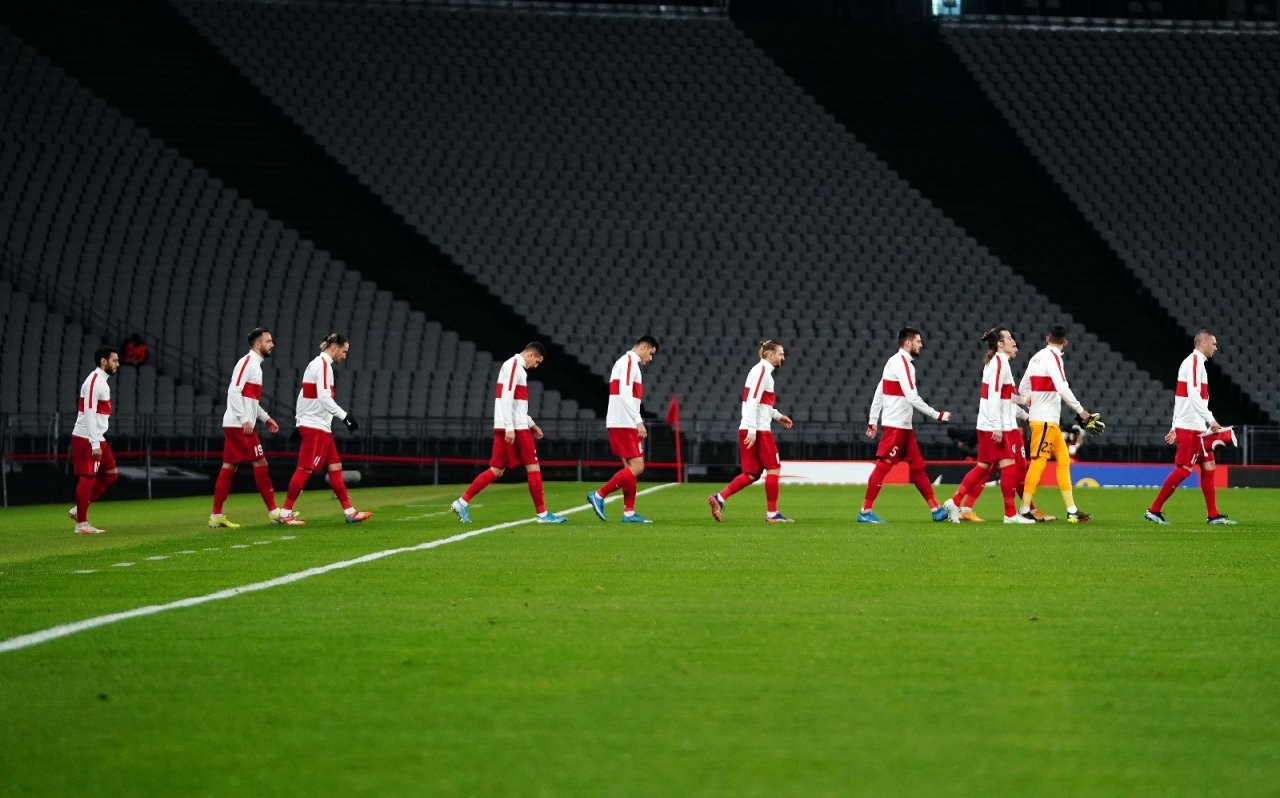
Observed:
{"x":255,"y":334}
{"x":332,"y":339}
{"x":906,"y":334}
{"x":1202,"y":334}
{"x":992,"y":339}
{"x":103,"y":353}
{"x":768,"y":345}
{"x":1058,"y":334}
{"x":647,"y":339}
{"x":535,"y":346}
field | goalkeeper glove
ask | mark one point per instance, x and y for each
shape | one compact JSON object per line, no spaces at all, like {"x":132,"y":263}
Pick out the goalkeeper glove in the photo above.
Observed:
{"x":1094,"y":425}
{"x":351,"y":423}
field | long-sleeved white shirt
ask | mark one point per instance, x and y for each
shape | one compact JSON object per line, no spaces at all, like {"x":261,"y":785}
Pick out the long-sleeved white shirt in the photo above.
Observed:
{"x":511,"y":397}
{"x":625,"y":391}
{"x":93,"y":408}
{"x":1191,"y":398}
{"x":1045,"y":383}
{"x":995,"y":402}
{"x":896,"y":394}
{"x":316,"y":407}
{"x":758,"y":411}
{"x":244,"y":392}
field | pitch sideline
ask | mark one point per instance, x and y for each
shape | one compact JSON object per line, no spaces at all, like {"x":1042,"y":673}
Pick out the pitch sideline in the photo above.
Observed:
{"x":68,"y":629}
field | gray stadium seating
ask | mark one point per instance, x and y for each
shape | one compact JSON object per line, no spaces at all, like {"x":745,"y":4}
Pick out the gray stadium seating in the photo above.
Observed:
{"x":1166,"y":141}
{"x":610,"y":175}
{"x":115,"y":219}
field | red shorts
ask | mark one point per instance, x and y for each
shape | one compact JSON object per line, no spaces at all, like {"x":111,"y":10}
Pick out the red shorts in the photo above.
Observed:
{"x":625,"y":442}
{"x":1009,"y":447}
{"x":521,"y":452}
{"x":763,"y":456}
{"x":317,"y":450}
{"x":240,"y":448}
{"x":1014,"y":437}
{"x":898,"y":445}
{"x":82,"y":462}
{"x":1190,"y":451}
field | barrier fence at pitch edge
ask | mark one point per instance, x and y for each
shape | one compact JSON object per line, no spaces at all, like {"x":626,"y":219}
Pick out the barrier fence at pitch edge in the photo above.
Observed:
{"x":704,"y":450}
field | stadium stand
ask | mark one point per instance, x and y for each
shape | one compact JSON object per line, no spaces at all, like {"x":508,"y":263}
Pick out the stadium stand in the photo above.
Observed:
{"x":655,"y":175}
{"x":1165,"y":141}
{"x":114,"y":219}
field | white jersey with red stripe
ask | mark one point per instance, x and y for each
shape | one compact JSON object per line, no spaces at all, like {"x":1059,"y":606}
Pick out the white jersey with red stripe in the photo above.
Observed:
{"x":93,"y":408}
{"x":316,"y":407}
{"x":995,"y":402}
{"x":244,"y":392}
{"x":1045,"y":383}
{"x":625,"y":391}
{"x":758,"y":411}
{"x":1191,"y":398}
{"x":511,"y":397}
{"x":896,"y":394}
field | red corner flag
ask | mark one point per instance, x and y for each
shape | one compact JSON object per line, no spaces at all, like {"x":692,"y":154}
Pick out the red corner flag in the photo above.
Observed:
{"x":672,"y":418}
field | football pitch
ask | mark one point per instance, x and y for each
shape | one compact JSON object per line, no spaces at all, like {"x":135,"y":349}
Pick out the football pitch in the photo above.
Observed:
{"x":681,"y":658}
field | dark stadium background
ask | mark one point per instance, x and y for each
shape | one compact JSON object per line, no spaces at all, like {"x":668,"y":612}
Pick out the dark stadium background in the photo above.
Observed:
{"x":821,"y":172}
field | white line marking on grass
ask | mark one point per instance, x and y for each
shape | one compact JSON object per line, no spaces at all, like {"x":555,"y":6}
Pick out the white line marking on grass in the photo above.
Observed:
{"x":159,"y":557}
{"x":215,"y":548}
{"x":68,"y":629}
{"x":261,"y":542}
{"x":288,"y":537}
{"x":187,"y":551}
{"x":85,"y":571}
{"x":239,"y":546}
{"x":121,"y":565}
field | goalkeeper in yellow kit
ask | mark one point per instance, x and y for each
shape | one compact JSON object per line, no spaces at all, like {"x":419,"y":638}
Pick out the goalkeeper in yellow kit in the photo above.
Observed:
{"x":1045,"y":385}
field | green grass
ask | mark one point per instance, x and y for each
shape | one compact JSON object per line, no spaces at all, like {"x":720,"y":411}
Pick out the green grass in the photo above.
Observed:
{"x":684,"y":658}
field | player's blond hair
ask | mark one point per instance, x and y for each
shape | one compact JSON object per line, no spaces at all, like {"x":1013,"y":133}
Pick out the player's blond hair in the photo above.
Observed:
{"x":769,"y":345}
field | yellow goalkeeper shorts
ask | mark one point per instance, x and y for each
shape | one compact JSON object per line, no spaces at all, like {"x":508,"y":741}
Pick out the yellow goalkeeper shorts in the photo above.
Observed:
{"x":1047,"y":441}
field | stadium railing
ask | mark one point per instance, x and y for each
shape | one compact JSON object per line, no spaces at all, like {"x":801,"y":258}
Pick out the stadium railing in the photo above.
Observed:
{"x":447,"y":449}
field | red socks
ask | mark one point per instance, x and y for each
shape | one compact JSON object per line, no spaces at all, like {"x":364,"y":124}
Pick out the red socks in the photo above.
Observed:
{"x":971,"y":486}
{"x":921,"y":480}
{"x":739,"y":482}
{"x":101,"y":484}
{"x":340,"y":488}
{"x":84,"y":495}
{"x":1175,"y":478}
{"x":535,"y":491}
{"x":771,"y":493}
{"x":875,"y":482}
{"x":89,"y":490}
{"x":222,"y":489}
{"x":296,"y":484}
{"x":1009,"y":488}
{"x":482,"y":481}
{"x":263,"y":480}
{"x":1208,"y":486}
{"x":629,"y":492}
{"x":616,"y":481}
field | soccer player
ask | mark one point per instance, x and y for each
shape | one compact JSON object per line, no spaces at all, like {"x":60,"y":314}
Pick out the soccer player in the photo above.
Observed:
{"x":756,"y":446}
{"x":91,"y":457}
{"x":895,"y":397}
{"x":1191,"y":419}
{"x":315,"y":411}
{"x":240,"y":443}
{"x":626,"y":429}
{"x":1044,"y":385}
{"x":999,"y":439}
{"x":514,"y":434}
